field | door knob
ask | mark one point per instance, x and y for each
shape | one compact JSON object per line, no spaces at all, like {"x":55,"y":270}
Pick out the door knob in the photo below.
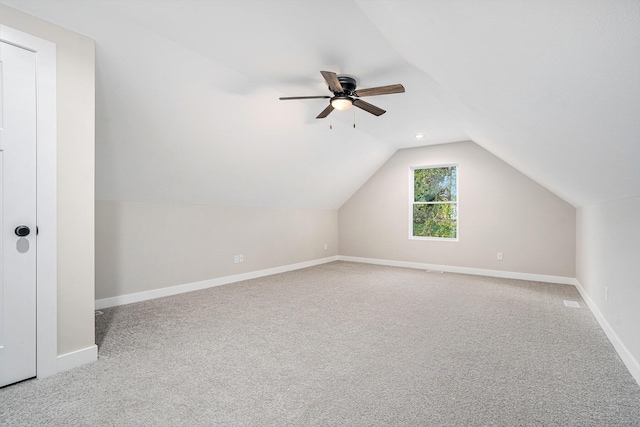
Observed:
{"x":22,"y":231}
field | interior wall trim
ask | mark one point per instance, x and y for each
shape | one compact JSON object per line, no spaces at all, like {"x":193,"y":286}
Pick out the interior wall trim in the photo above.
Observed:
{"x":80,"y":357}
{"x":464,"y":270}
{"x":627,"y":358}
{"x":204,"y":284}
{"x":77,"y":358}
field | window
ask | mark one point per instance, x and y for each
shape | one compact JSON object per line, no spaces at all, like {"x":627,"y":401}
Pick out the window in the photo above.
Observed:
{"x":434,"y":202}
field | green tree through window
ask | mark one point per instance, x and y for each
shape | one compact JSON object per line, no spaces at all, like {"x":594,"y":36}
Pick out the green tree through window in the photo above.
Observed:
{"x":435,"y":202}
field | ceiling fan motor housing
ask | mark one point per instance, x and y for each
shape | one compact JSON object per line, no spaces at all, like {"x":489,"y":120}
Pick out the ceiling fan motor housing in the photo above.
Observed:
{"x":347,"y":83}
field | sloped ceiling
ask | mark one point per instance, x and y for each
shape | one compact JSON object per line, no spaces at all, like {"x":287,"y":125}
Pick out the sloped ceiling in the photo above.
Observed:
{"x":188,"y":109}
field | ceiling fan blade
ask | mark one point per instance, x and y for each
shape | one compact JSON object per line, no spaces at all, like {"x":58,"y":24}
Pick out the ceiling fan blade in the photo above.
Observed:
{"x":368,"y":107}
{"x":286,"y":98}
{"x":332,"y":81}
{"x":325,"y":112}
{"x":380,"y":90}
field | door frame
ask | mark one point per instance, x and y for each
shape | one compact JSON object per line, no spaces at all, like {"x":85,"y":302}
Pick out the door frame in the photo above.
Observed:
{"x":46,"y":199}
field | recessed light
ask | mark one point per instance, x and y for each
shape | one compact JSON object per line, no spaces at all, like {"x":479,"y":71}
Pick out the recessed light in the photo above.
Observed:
{"x":419,"y":135}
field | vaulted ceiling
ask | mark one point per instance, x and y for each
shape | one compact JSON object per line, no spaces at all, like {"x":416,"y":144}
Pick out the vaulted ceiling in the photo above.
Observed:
{"x":188,"y":111}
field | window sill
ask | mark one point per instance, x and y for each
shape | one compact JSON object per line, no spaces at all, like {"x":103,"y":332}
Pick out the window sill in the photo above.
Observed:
{"x":437,"y":239}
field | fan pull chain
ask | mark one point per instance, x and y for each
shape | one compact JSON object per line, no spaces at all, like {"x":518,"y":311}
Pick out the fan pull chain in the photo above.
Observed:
{"x":354,"y":119}
{"x":330,"y":124}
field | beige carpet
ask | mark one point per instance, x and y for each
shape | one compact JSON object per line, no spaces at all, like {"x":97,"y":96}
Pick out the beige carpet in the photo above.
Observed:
{"x":344,"y":344}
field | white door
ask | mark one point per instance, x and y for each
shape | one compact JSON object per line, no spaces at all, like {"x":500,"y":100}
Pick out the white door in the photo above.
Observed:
{"x":17,"y":214}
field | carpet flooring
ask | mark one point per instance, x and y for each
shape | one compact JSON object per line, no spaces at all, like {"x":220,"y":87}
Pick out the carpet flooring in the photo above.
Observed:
{"x":343,"y":344}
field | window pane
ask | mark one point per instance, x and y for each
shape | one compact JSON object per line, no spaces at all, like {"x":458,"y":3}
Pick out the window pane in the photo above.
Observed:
{"x":435,"y":220}
{"x":434,"y":185}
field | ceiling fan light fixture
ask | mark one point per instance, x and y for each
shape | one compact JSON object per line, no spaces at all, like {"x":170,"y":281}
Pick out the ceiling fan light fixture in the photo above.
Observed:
{"x":341,"y":102}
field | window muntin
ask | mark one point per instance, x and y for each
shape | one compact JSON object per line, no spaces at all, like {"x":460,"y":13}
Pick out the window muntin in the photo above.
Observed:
{"x":434,"y":202}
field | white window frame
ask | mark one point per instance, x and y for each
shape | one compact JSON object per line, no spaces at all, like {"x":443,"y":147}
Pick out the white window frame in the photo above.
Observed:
{"x":412,"y":202}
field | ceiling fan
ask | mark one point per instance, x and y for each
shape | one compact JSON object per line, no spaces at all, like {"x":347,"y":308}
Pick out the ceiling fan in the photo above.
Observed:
{"x":345,"y":95}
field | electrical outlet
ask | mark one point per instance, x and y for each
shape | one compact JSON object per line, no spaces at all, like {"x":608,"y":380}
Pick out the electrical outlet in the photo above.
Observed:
{"x":325,"y":246}
{"x":499,"y":256}
{"x":241,"y":258}
{"x":236,"y":259}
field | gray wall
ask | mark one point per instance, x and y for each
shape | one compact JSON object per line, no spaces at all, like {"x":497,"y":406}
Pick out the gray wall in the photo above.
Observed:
{"x":500,"y":210}
{"x":147,"y":246}
{"x":76,"y":170}
{"x":608,"y":255}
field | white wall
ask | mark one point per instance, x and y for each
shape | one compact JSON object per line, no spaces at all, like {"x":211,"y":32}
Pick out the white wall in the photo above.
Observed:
{"x":500,"y":210}
{"x":147,"y":246}
{"x":608,"y":257}
{"x":75,"y":56}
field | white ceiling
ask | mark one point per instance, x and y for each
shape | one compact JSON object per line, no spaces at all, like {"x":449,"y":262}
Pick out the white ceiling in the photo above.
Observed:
{"x":188,"y":109}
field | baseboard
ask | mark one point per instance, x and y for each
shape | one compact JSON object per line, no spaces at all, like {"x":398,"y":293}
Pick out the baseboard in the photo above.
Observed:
{"x":627,"y":358}
{"x":77,"y":358}
{"x":463,"y":270}
{"x":196,"y":286}
{"x":630,"y":362}
{"x":88,"y":355}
